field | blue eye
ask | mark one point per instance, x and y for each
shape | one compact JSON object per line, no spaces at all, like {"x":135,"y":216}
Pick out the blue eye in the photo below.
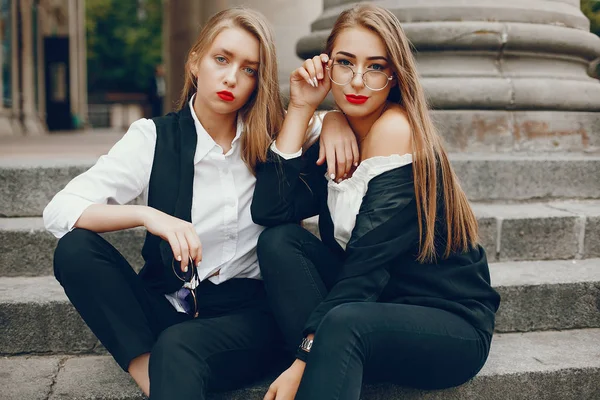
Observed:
{"x":343,"y":62}
{"x":250,"y":71}
{"x":220,"y":59}
{"x":377,"y":67}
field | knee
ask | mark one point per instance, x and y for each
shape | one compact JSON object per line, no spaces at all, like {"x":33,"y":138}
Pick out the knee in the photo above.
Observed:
{"x":172,"y":351}
{"x":342,"y":321}
{"x":274,"y":245}
{"x":340,"y":332}
{"x":72,"y":251}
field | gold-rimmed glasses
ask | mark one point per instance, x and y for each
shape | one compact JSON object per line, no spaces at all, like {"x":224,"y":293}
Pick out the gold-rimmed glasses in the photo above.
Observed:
{"x":342,"y":75}
{"x":190,"y":281}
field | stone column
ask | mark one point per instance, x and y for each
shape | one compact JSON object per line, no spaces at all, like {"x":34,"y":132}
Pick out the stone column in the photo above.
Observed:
{"x":77,"y":60}
{"x":182,"y":20}
{"x":505,"y":76}
{"x":82,"y":63}
{"x":17,"y":128}
{"x":5,"y":123}
{"x":31,"y":121}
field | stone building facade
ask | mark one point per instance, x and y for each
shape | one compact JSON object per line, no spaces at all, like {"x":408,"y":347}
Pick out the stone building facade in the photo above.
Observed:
{"x":43,"y":59}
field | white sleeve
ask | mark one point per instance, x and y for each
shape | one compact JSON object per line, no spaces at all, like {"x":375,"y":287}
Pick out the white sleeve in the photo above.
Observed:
{"x":286,"y":156}
{"x":117,"y":178}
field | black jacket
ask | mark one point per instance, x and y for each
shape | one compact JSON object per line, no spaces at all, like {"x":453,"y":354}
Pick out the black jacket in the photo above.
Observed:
{"x":380,"y":258}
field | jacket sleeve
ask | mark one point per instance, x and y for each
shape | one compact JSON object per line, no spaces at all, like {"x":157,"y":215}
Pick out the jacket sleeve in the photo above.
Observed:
{"x":286,"y":191}
{"x":386,"y":227}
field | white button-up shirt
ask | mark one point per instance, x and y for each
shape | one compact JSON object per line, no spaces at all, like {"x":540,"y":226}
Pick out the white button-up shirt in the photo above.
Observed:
{"x":222,"y":193}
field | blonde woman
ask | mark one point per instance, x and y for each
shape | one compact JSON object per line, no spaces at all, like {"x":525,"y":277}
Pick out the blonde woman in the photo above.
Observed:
{"x":398,"y":289}
{"x":195,"y":318}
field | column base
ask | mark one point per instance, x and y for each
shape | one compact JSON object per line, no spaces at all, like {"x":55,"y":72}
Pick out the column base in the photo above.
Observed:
{"x":33,"y":126}
{"x":6,"y":125}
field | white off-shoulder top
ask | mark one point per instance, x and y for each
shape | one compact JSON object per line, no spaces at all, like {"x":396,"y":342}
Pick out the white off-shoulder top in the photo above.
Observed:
{"x":344,"y":198}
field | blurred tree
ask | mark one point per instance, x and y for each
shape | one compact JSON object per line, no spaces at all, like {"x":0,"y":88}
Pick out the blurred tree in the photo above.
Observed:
{"x":591,"y":9}
{"x":124,"y":44}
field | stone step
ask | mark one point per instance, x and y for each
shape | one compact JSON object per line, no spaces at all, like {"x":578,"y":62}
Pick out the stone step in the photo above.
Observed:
{"x":27,"y":185}
{"x":37,"y":318}
{"x":509,"y":232}
{"x":521,"y":366}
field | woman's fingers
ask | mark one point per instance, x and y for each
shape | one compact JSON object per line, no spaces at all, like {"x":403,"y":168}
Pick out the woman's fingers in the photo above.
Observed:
{"x":194,"y":245}
{"x":270,"y":394}
{"x":321,"y":158}
{"x":302,"y":73}
{"x":185,"y":250}
{"x":330,"y":156}
{"x":309,"y":66}
{"x":340,"y":155}
{"x":319,"y":71}
{"x":174,"y":243}
{"x":349,"y":159}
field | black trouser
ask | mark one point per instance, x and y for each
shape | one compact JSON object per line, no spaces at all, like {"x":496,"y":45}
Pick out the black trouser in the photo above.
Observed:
{"x":234,"y":341}
{"x":410,"y":345}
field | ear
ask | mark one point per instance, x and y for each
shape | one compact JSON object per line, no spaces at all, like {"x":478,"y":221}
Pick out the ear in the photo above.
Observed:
{"x":193,"y":63}
{"x":194,"y":69}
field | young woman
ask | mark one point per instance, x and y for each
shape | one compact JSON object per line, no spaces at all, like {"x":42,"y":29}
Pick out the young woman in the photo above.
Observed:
{"x":399,"y":288}
{"x":195,"y":318}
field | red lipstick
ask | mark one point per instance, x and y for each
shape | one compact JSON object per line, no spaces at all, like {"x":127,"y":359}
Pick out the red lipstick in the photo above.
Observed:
{"x":356,"y":99}
{"x":225,"y":95}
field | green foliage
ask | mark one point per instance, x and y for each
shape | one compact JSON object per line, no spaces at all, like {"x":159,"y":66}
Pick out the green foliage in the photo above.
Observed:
{"x":591,"y":9}
{"x":123,"y":43}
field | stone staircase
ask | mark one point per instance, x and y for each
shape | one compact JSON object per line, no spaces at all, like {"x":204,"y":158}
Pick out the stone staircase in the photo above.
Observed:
{"x":539,"y":216}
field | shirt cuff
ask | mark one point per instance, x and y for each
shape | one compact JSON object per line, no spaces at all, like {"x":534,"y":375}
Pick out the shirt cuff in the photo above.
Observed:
{"x":286,"y":156}
{"x":301,"y":355}
{"x":62,"y":213}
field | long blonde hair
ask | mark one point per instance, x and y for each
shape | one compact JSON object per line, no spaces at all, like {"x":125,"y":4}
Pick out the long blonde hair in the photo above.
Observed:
{"x":428,"y":152}
{"x":263,"y":113}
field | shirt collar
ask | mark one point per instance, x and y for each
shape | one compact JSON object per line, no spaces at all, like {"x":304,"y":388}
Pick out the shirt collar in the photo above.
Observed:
{"x":205,"y":141}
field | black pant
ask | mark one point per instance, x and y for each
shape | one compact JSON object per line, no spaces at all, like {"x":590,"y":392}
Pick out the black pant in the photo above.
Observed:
{"x":410,"y":345}
{"x":234,"y":341}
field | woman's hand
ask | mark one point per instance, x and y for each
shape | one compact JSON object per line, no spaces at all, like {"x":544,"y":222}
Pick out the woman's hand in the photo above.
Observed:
{"x":286,"y":385}
{"x":180,"y":234}
{"x":338,"y":146}
{"x":309,"y":84}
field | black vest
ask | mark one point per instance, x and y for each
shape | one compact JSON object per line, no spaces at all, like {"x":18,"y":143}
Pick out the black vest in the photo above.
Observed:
{"x":170,"y":191}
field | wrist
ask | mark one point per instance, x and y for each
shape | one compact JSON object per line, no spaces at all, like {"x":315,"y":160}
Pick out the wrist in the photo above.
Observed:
{"x":298,"y":365}
{"x":142,"y":214}
{"x":300,"y":110}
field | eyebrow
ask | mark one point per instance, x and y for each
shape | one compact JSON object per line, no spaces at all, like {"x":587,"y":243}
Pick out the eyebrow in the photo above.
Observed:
{"x":345,"y":53}
{"x":230,"y":54}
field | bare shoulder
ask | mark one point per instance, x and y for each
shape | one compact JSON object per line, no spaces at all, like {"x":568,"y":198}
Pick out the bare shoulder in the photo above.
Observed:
{"x":390,"y":134}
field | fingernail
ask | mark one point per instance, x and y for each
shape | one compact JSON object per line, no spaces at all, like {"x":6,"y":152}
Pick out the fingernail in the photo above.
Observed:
{"x":185,"y":269}
{"x":199,"y":264}
{"x":356,"y":164}
{"x":316,"y":82}
{"x":332,"y":176}
{"x":345,"y":175}
{"x":178,"y":258}
{"x":310,"y":82}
